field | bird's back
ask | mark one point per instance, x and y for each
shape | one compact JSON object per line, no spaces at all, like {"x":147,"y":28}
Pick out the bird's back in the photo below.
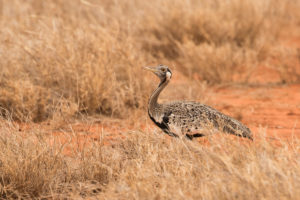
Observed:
{"x":195,"y":118}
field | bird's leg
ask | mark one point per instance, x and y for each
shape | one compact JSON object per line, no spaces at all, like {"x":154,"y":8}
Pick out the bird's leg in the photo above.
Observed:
{"x":170,"y":133}
{"x":190,"y":136}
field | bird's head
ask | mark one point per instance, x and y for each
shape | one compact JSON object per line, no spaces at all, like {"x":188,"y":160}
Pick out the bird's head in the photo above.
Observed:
{"x":162,"y":71}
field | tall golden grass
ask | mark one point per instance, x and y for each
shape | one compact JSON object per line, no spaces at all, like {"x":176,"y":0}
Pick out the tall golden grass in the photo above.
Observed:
{"x":145,"y":165}
{"x":72,"y":57}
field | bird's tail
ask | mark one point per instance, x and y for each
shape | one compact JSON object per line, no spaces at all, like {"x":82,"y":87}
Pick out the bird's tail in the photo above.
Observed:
{"x":236,"y":128}
{"x":232,"y":126}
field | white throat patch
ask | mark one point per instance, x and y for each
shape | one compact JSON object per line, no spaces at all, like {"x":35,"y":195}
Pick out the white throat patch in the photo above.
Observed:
{"x":168,"y":75}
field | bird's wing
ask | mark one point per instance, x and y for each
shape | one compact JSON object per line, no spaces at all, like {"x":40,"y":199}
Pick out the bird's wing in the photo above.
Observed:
{"x":192,"y":117}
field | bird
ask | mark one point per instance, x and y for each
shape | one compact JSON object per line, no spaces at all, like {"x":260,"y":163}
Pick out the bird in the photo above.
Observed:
{"x":189,"y":119}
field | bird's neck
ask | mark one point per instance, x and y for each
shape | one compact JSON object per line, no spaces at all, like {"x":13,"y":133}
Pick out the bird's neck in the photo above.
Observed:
{"x":153,"y":105}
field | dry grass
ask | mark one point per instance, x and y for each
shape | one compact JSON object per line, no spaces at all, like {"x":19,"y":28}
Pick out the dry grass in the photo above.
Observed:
{"x":146,"y":165}
{"x":62,"y":58}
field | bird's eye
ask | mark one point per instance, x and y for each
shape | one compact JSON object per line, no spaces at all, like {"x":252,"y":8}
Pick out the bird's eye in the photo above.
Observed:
{"x":163,"y":70}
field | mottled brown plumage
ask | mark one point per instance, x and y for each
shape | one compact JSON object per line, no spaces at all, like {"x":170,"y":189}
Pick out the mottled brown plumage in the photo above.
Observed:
{"x":190,"y":119}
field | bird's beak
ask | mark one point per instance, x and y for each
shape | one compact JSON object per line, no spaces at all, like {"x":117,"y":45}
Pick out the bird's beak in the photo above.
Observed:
{"x":152,"y":69}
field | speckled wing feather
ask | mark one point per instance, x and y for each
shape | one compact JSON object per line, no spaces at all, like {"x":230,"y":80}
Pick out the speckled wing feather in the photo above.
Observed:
{"x":194,"y":118}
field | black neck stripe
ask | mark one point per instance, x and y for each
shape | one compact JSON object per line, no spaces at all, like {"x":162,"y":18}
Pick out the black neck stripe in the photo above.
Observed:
{"x":162,"y":82}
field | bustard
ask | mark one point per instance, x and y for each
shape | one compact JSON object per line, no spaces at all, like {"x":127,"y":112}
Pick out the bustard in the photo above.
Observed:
{"x":186,"y":118}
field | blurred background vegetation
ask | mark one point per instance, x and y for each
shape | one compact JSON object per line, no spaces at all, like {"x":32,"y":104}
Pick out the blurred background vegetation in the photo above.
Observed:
{"x":65,"y":57}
